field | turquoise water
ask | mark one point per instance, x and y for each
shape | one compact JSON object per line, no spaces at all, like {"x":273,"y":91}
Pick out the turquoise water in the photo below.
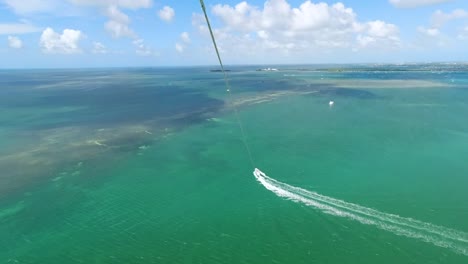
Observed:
{"x":147,"y":165}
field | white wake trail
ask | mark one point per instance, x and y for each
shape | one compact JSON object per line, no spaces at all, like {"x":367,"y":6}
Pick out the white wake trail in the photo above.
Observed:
{"x":436,"y":235}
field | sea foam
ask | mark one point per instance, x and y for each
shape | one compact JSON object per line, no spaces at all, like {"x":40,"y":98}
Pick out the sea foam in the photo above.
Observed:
{"x":430,"y":233}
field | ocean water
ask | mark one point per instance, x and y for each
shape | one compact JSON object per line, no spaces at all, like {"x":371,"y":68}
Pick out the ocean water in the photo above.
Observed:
{"x":146,"y":165}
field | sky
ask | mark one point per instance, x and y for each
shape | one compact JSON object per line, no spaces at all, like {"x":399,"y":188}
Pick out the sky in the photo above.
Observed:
{"x":132,"y":33}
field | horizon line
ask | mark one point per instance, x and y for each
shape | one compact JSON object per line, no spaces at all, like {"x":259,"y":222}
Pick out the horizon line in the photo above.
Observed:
{"x":243,"y":65}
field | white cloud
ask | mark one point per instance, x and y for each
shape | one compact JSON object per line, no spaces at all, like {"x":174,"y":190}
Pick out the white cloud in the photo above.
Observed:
{"x":199,"y":22}
{"x":15,"y":42}
{"x":439,"y":18}
{"x":115,"y":14}
{"x":463,"y":34}
{"x":142,"y":49}
{"x":17,"y":28}
{"x":118,"y":25}
{"x":416,"y":3}
{"x":130,"y":4}
{"x":31,"y":6}
{"x":365,"y":41}
{"x":311,"y":28}
{"x":379,"y":33}
{"x":381,"y":29}
{"x":65,"y":43}
{"x":185,"y":37}
{"x":262,"y":34}
{"x":25,"y":7}
{"x":99,"y":48}
{"x":179,"y":47}
{"x":166,"y":13}
{"x":430,"y":32}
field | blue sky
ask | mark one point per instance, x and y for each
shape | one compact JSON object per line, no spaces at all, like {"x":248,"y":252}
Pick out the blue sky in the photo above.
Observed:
{"x":103,"y":33}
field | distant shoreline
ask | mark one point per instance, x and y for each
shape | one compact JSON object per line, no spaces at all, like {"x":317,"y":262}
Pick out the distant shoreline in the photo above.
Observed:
{"x":256,"y":66}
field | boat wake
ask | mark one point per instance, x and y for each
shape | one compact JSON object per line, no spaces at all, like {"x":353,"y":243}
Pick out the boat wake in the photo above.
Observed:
{"x":436,"y":235}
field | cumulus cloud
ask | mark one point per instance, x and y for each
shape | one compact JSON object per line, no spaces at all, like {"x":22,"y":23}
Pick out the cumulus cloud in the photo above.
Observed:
{"x":379,"y":32}
{"x":430,"y":32}
{"x":118,"y":24}
{"x":99,"y":48}
{"x":290,"y":30}
{"x":179,"y":47}
{"x":38,"y":6}
{"x":185,"y":37}
{"x":198,"y":21}
{"x":15,"y":42}
{"x":463,"y":34}
{"x":17,"y":28}
{"x":184,"y":42}
{"x":130,"y":4}
{"x":142,"y":49}
{"x":416,"y":3}
{"x":381,"y":29}
{"x":65,"y":43}
{"x":440,"y":18}
{"x":167,"y":13}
